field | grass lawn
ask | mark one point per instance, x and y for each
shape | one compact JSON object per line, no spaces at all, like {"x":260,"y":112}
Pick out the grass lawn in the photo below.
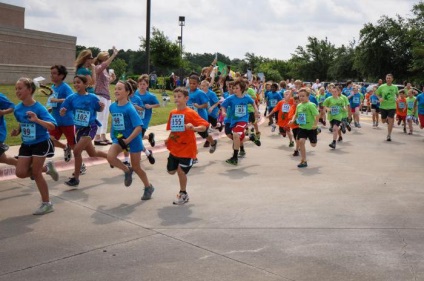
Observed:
{"x":160,"y":115}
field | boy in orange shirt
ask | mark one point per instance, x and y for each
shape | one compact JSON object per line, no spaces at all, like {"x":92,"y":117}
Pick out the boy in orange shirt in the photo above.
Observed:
{"x":286,"y":109}
{"x":183,"y":122}
{"x":401,"y":110}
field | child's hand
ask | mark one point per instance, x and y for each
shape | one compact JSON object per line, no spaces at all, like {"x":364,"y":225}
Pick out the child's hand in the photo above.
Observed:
{"x":189,"y":126}
{"x":15,"y":132}
{"x":32,"y":116}
{"x":102,"y":105}
{"x":62,"y":111}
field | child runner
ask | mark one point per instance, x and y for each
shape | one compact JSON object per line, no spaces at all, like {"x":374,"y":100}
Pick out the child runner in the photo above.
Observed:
{"x":375,"y":106}
{"x":321,"y":98}
{"x":6,"y":107}
{"x":410,"y":103}
{"x":419,"y":108}
{"x":335,"y":106}
{"x":307,"y":117}
{"x":355,"y":100}
{"x":387,"y":94}
{"x":183,"y":122}
{"x":65,"y":124}
{"x":401,"y":110}
{"x":84,"y":106}
{"x":272,"y":99}
{"x":295,"y":128}
{"x":126,"y":135}
{"x":213,"y":103}
{"x":239,"y":116}
{"x":34,"y":123}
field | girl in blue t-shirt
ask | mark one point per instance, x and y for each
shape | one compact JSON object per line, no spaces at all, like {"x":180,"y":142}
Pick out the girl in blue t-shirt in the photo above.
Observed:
{"x":126,"y":135}
{"x":85,"y":107}
{"x":375,"y":106}
{"x":34,"y":123}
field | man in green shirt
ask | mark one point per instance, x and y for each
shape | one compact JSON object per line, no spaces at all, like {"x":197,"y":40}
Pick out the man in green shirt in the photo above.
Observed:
{"x":387,"y":94}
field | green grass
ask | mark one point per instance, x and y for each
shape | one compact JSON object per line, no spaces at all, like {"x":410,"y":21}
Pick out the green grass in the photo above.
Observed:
{"x":160,"y":115}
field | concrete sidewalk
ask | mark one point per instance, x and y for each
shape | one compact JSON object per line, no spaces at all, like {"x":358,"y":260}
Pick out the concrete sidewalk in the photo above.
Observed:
{"x":356,"y":213}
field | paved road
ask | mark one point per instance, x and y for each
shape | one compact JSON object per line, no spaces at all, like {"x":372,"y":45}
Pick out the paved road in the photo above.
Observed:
{"x":356,"y":213}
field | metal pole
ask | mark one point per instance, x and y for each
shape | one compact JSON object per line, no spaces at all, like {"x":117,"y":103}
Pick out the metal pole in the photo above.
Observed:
{"x":148,"y":37}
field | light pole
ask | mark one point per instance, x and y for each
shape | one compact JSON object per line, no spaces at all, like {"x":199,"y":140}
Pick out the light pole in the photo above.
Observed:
{"x":148,"y":37}
{"x":180,"y":40}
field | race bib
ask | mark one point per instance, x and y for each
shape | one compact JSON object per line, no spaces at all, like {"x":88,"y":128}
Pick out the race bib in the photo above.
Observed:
{"x":81,"y":118}
{"x":410,"y":104}
{"x":240,"y":110}
{"x":28,"y":131}
{"x":335,"y":110}
{"x":118,"y":122}
{"x":356,"y":100}
{"x":285,"y":107}
{"x":301,"y":118}
{"x":272,"y":102}
{"x":141,"y":113}
{"x":49,"y":102}
{"x":401,"y":105}
{"x":177,"y":123}
{"x":374,"y":101}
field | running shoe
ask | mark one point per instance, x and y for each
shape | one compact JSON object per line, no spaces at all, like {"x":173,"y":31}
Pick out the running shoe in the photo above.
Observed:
{"x":72,"y":182}
{"x":83,"y":170}
{"x":151,"y":158}
{"x":232,"y":161}
{"x":213,"y":147}
{"x":126,"y":163}
{"x":206,"y":144}
{"x":389,"y":138}
{"x":242,"y":153}
{"x":67,"y":153}
{"x":296,"y":153}
{"x":46,"y":207}
{"x":273,"y":127}
{"x":404,"y":130}
{"x":348,"y":127}
{"x":343,"y":126}
{"x":148,"y":191}
{"x":151,"y":139}
{"x":340,"y":139}
{"x":195,"y":161}
{"x":51,"y":171}
{"x":303,"y":164}
{"x":332,"y":145}
{"x":128,"y":177}
{"x":291,"y":144}
{"x":182,"y":198}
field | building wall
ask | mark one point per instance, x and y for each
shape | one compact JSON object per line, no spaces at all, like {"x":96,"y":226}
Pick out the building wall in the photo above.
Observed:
{"x":12,"y":16}
{"x":30,"y":53}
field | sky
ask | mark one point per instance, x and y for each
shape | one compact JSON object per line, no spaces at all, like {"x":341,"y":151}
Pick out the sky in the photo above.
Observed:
{"x":268,"y":28}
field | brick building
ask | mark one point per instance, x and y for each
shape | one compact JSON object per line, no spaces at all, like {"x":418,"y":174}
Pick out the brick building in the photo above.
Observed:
{"x":30,"y":53}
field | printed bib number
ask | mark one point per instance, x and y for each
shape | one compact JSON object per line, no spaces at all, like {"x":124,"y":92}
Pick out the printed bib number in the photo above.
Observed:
{"x":335,"y":110}
{"x":301,"y":119}
{"x":410,"y":105}
{"x":356,"y":100}
{"x":49,"y":100}
{"x":241,"y":110}
{"x":285,"y":107}
{"x":28,"y":131}
{"x":272,"y":102}
{"x":141,"y":113}
{"x":177,"y":123}
{"x":401,"y":105}
{"x":82,"y":118}
{"x":118,"y":121}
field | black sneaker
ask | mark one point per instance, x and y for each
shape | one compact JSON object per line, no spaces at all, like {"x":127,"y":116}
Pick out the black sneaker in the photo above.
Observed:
{"x":72,"y":182}
{"x":242,"y":154}
{"x":151,"y":158}
{"x":303,"y":164}
{"x":67,"y":154}
{"x":348,"y":127}
{"x":389,"y":138}
{"x":126,"y":163}
{"x":343,"y":126}
{"x":332,"y":145}
{"x":340,"y":139}
{"x":296,"y":153}
{"x":232,"y":161}
{"x":213,"y":147}
{"x":206,"y":144}
{"x":83,"y":170}
{"x":128,"y":177}
{"x":152,"y":139}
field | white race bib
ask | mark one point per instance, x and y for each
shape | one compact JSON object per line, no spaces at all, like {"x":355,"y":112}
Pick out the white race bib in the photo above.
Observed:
{"x":177,"y":123}
{"x":28,"y":131}
{"x":240,"y":110}
{"x":335,"y":110}
{"x":82,"y":118}
{"x":301,"y":118}
{"x":285,"y":107}
{"x":118,"y":122}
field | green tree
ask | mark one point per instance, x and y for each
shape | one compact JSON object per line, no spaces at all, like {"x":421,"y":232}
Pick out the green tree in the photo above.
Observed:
{"x":342,"y":65}
{"x":119,"y":66}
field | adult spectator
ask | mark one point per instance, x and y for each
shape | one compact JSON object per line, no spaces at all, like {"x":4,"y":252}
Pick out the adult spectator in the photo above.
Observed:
{"x":153,"y":79}
{"x":316,"y":85}
{"x":387,"y":94}
{"x":85,"y":67}
{"x":104,"y":78}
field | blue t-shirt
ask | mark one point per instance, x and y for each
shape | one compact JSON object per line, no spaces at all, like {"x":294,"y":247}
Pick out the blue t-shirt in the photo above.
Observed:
{"x":238,"y":108}
{"x":32,"y":133}
{"x":84,"y":108}
{"x":62,"y":92}
{"x":84,"y":72}
{"x":200,"y":98}
{"x":355,"y":100}
{"x":347,"y":91}
{"x":327,"y":95}
{"x":213,"y":98}
{"x":5,"y":103}
{"x":147,"y":98}
{"x":124,"y":120}
{"x":136,"y":100}
{"x":273,"y":98}
{"x":374,"y":100}
{"x":313,"y":99}
{"x":420,"y":103}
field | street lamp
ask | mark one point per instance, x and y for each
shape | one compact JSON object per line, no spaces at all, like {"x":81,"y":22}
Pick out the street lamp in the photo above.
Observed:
{"x":180,"y":40}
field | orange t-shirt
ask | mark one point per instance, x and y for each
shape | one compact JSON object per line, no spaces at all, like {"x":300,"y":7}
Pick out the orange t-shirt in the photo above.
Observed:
{"x":286,"y":110}
{"x":401,"y":107}
{"x":182,"y":142}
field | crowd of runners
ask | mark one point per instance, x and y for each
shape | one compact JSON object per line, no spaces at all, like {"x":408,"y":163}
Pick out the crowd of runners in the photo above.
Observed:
{"x":294,"y":107}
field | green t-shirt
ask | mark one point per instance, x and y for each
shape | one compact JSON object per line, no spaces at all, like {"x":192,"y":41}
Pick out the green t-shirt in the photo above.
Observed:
{"x":305,"y":115}
{"x":252,"y":93}
{"x":336,"y":108}
{"x":345,"y":114}
{"x":389,"y":94}
{"x":410,"y":104}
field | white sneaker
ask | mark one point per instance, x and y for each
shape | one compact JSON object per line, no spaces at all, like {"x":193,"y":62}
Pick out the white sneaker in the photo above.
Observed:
{"x":273,"y":127}
{"x":51,"y":171}
{"x":182,"y":198}
{"x":46,"y":207}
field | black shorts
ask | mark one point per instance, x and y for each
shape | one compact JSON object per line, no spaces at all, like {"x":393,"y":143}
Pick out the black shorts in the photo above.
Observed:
{"x":335,"y":122}
{"x":143,"y":132}
{"x":308,"y":134}
{"x":295,"y":132}
{"x":228,"y":130}
{"x":283,"y":130}
{"x":213,"y":121}
{"x":387,"y":113}
{"x":41,"y":149}
{"x":174,"y":162}
{"x":252,"y":118}
{"x":204,"y":134}
{"x":374,"y":106}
